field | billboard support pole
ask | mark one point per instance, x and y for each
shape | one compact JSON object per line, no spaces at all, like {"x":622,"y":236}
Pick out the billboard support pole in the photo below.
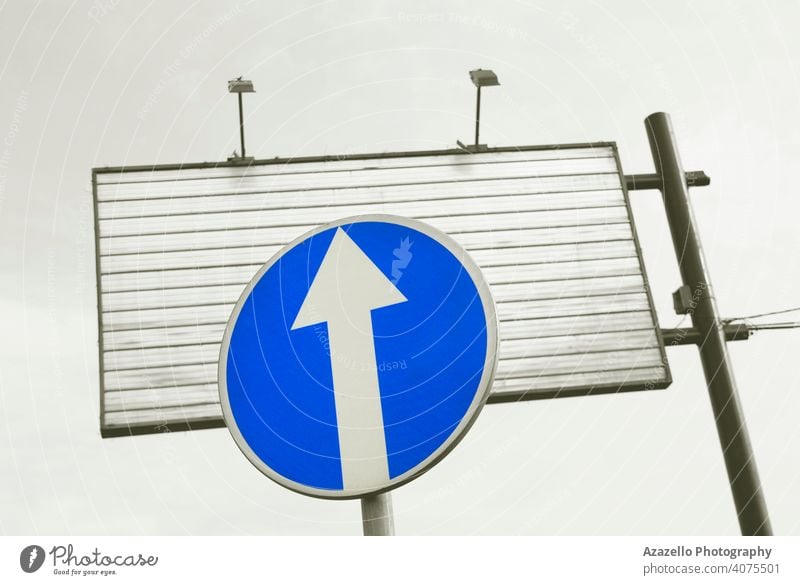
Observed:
{"x":241,"y":125}
{"x":376,"y":515}
{"x":751,"y":507}
{"x":478,"y":117}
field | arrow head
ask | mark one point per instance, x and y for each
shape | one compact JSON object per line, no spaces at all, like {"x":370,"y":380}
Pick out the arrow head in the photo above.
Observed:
{"x":346,"y":285}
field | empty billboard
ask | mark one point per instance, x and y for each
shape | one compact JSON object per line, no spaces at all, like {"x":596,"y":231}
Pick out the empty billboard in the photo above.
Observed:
{"x":550,"y":227}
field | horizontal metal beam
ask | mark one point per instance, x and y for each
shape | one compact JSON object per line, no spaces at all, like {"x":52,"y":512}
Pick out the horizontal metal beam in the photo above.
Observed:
{"x":654,"y":181}
{"x":341,"y":157}
{"x":161,"y":427}
{"x":691,"y":336}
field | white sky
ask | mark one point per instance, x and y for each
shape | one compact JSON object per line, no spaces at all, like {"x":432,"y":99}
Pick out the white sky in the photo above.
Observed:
{"x":107,"y":83}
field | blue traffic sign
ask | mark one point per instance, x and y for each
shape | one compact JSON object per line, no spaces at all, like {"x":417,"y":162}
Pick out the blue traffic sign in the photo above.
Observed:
{"x":358,"y":356}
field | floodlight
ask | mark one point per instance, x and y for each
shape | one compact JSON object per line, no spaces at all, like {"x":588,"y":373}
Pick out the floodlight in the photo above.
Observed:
{"x":481,"y":78}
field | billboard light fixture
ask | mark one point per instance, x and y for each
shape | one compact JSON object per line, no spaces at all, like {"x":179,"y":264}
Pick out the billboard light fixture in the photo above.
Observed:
{"x":240,"y":86}
{"x":480,"y":78}
{"x":483,"y":78}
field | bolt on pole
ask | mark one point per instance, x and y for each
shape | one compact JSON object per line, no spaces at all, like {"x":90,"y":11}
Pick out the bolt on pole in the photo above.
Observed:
{"x":737,"y":451}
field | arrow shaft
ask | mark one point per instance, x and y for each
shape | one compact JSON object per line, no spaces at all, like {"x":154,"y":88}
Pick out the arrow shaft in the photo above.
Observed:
{"x":362,"y":442}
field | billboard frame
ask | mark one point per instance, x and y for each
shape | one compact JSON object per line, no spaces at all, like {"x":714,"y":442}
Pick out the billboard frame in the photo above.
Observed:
{"x":494,"y":398}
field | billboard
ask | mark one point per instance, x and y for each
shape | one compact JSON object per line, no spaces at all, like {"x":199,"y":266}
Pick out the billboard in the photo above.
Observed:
{"x":550,"y":227}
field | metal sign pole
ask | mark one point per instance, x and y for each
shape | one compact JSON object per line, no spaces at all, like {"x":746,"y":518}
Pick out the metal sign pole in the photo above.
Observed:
{"x":376,"y":515}
{"x":736,"y":449}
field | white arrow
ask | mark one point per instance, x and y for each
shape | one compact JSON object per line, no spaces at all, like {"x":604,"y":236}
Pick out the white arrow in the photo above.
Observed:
{"x":347,"y":287}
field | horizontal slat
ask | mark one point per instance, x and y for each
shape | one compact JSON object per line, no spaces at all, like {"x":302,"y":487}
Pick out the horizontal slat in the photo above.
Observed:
{"x":161,"y":397}
{"x":532,"y":368}
{"x":543,"y":367}
{"x":356,"y":179}
{"x":184,"y":278}
{"x":456,"y":226}
{"x":161,"y":377}
{"x":562,"y":270}
{"x":147,"y":261}
{"x":572,"y":325}
{"x":557,"y":253}
{"x":508,"y":238}
{"x":544,"y":188}
{"x":228,"y":294}
{"x":260,"y":254}
{"x":179,"y":376}
{"x":171,"y":298}
{"x":517,"y":329}
{"x":570,"y":306}
{"x":165,"y":317}
{"x":568,"y":288}
{"x":189,"y":174}
{"x":164,"y":336}
{"x":236,"y":218}
{"x":514,"y":386}
{"x":194,"y":376}
{"x":143,"y":359}
{"x":454,"y":220}
{"x":215,"y":244}
{"x":576,"y":344}
{"x":619,"y":378}
{"x":161,"y":357}
{"x":160,"y":319}
{"x":241,"y":275}
{"x":162,"y":416}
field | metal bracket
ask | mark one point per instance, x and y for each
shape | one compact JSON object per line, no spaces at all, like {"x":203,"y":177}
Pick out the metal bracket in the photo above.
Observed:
{"x":654,"y":181}
{"x":682,"y":300}
{"x":241,"y":160}
{"x":691,"y":336}
{"x":472,"y":148}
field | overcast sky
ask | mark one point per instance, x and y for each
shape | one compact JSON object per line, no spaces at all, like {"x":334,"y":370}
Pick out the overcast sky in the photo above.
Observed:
{"x":101,"y":83}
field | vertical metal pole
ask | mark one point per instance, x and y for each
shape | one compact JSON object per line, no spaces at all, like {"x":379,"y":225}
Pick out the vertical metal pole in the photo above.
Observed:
{"x":376,"y":515}
{"x":478,"y":117}
{"x":748,"y":496}
{"x":241,"y":124}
